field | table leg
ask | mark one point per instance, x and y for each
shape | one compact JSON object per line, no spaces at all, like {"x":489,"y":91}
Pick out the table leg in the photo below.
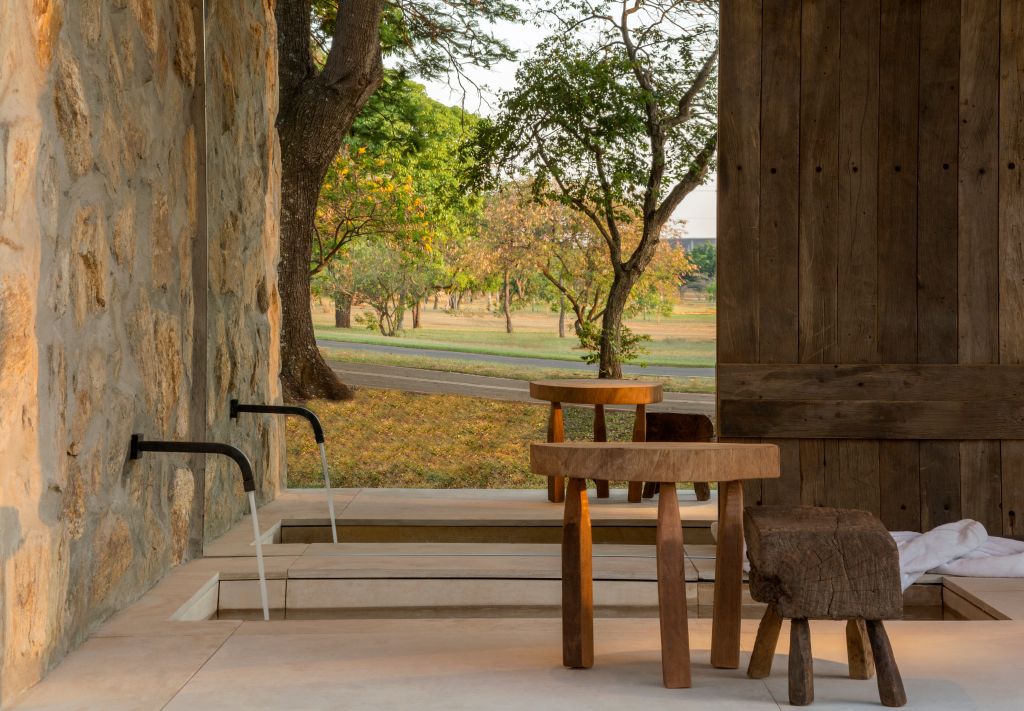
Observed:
{"x":636,"y":488}
{"x":600,"y":435}
{"x":675,"y":634}
{"x":725,"y":624}
{"x":577,"y":580}
{"x":556,"y":433}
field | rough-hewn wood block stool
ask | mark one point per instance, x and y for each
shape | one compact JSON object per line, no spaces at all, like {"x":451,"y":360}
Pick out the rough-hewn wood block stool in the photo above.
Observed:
{"x":811,"y":563}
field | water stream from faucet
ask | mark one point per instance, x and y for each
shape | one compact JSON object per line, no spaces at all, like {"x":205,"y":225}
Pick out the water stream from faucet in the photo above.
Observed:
{"x":259,"y":555}
{"x":330,"y":491}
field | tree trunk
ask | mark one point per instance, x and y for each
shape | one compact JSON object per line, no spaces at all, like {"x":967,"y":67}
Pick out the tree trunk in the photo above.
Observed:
{"x":561,"y":317}
{"x":316,"y":112}
{"x":400,"y":311}
{"x":435,"y":300}
{"x":506,"y":307}
{"x":343,"y":311}
{"x":416,"y":314}
{"x":610,"y":364}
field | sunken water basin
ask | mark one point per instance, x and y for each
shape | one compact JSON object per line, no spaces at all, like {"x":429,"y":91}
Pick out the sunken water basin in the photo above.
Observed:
{"x":443,"y":579}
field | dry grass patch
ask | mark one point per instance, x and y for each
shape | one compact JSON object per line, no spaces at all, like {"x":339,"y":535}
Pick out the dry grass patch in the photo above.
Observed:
{"x":392,"y":439}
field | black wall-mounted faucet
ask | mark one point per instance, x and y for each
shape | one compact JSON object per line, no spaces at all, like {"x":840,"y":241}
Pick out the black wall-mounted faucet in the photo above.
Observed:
{"x":140,"y":445}
{"x":314,"y":421}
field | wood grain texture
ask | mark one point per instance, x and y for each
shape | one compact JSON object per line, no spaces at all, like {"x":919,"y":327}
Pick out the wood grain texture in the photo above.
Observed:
{"x":857,"y":213}
{"x":822,"y":563}
{"x":763,"y":654}
{"x":858,"y":650}
{"x":675,"y":636}
{"x":888,"y":206}
{"x":778,"y":236}
{"x":899,"y":382}
{"x":819,"y":190}
{"x":1011,"y":240}
{"x":577,"y":580}
{"x":846,"y":419}
{"x":635,"y":491}
{"x":725,"y":613}
{"x":938,"y":135}
{"x":981,"y":483}
{"x":801,"y":664}
{"x":739,"y":114}
{"x":601,"y":435}
{"x":940,"y":483}
{"x":978,"y":193}
{"x":899,"y":39}
{"x":890,"y":683}
{"x":656,"y":461}
{"x":596,"y":392}
{"x":556,"y":433}
{"x":899,"y":466}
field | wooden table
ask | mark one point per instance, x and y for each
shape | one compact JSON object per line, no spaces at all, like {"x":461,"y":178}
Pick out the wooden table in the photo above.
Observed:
{"x":665,"y":463}
{"x":597,"y":393}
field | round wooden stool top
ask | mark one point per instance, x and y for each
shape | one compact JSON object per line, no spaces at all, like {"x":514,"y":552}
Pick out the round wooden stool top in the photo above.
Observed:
{"x":594,"y":391}
{"x":656,"y":461}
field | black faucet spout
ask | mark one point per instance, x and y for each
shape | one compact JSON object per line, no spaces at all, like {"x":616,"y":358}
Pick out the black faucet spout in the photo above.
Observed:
{"x":314,"y":421}
{"x":140,"y":445}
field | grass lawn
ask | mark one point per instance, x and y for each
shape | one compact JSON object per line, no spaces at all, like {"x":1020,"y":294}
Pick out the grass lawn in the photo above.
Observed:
{"x":687,"y":338}
{"x":391,"y":439}
{"x":496,"y":370}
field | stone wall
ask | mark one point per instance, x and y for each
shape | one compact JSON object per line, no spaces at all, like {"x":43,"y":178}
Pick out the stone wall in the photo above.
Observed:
{"x":102,"y":153}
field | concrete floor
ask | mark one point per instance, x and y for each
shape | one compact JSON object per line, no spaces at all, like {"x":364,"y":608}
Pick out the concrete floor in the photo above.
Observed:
{"x":164,"y":652}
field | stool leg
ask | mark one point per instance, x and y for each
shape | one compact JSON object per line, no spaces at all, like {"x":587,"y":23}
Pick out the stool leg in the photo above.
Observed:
{"x":760,"y":666}
{"x":600,"y":435}
{"x":801,"y":664}
{"x":890,"y":683}
{"x":556,"y":433}
{"x":636,"y":488}
{"x":650,"y":489}
{"x":675,"y":635}
{"x":858,"y":650}
{"x":727,"y":607}
{"x":703,"y":490}
{"x":577,"y":580}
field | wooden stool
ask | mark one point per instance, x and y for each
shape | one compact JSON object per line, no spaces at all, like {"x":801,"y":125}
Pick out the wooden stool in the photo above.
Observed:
{"x":679,"y":427}
{"x":812,"y":563}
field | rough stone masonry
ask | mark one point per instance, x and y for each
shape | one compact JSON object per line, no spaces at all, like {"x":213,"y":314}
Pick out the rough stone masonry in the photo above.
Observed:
{"x":102,"y":204}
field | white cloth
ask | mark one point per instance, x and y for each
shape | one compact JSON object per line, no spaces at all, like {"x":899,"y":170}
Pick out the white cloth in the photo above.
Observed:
{"x":960,"y":548}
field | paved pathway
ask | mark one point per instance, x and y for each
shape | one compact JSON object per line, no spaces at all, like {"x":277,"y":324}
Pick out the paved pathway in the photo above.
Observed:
{"x":515,"y":360}
{"x":435,"y":381}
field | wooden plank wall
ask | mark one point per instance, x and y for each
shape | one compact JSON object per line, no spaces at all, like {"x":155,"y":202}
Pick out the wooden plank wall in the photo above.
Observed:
{"x":871,"y":253}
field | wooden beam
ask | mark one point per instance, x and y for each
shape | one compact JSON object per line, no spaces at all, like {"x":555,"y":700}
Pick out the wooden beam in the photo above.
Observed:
{"x":873,"y":419}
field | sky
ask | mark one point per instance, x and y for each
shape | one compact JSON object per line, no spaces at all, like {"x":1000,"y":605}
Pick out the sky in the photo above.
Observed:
{"x":697,"y":210}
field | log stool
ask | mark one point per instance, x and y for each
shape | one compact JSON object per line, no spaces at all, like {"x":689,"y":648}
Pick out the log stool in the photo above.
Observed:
{"x":811,"y":563}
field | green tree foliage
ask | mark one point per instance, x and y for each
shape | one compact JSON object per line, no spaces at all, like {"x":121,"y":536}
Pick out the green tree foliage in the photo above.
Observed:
{"x":613,"y":116}
{"x":705,"y":259}
{"x":392,"y":206}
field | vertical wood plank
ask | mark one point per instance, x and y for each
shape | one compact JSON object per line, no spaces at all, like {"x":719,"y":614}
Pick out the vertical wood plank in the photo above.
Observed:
{"x":739,"y":101}
{"x":778,"y":254}
{"x":937,"y":181}
{"x":940,"y":483}
{"x":981,"y":483}
{"x":857,"y":215}
{"x":899,"y":468}
{"x":1011,"y":239}
{"x":899,"y":39}
{"x":819,"y":192}
{"x":858,"y":476}
{"x":779,"y":182}
{"x":978,"y":247}
{"x":785,"y":489}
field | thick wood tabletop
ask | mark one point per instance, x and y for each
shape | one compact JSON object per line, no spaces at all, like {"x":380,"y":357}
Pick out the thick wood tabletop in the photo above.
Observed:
{"x":656,"y":461}
{"x":593,"y":391}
